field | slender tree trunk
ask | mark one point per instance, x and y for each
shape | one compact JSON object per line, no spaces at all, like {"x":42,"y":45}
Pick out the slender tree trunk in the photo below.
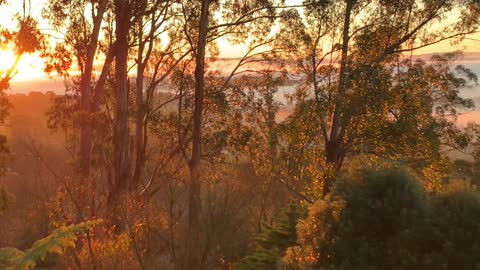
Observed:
{"x":139,"y":120}
{"x":271,"y":125}
{"x":194,"y":201}
{"x":121,"y":146}
{"x":142,"y":101}
{"x":333,"y":144}
{"x":99,"y":90}
{"x":86,"y":133}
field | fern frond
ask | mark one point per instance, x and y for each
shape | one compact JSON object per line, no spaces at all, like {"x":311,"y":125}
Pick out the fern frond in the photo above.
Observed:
{"x":60,"y":239}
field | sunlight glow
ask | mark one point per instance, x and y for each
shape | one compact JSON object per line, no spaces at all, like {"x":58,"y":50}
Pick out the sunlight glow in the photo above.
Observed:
{"x":29,"y":67}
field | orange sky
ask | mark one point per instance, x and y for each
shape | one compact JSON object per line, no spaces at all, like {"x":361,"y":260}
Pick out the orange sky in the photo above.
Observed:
{"x":31,"y":66}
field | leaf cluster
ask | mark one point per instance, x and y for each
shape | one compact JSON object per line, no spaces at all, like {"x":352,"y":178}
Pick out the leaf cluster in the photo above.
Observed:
{"x":57,"y":242}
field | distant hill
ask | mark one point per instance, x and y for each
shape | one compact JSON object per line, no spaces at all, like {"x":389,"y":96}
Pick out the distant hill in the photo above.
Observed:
{"x":55,"y":85}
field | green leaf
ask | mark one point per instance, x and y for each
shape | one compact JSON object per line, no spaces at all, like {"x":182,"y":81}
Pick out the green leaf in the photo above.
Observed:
{"x":57,"y":242}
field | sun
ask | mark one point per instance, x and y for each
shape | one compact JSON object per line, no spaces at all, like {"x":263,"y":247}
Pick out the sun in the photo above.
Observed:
{"x":29,"y":67}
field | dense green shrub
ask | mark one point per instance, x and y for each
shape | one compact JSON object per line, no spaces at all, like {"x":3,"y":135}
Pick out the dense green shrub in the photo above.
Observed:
{"x":456,"y":224}
{"x":383,"y":219}
{"x":273,"y":241}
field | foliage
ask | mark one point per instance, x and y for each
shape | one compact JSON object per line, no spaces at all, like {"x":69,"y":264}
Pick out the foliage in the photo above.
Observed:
{"x":383,"y":219}
{"x":25,"y":38}
{"x":111,"y":252}
{"x":467,"y":170}
{"x":57,"y":242}
{"x":272,"y":243}
{"x":456,"y":224}
{"x":365,"y":96}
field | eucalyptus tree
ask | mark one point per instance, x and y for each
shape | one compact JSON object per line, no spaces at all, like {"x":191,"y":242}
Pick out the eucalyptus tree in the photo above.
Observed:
{"x":348,"y":49}
{"x":123,"y":11}
{"x":205,"y":22}
{"x":82,"y":23}
{"x":139,"y":26}
{"x":159,"y":49}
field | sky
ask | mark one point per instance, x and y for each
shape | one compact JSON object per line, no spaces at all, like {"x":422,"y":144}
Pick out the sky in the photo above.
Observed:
{"x":31,"y":66}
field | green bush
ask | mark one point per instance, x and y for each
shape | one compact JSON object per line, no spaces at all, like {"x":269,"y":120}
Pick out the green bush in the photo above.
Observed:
{"x":383,"y":219}
{"x":456,"y":224}
{"x":272,"y":243}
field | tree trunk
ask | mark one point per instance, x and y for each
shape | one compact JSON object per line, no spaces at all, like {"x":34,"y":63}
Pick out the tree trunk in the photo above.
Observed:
{"x":140,"y":115}
{"x":86,"y":133}
{"x":194,"y":201}
{"x":99,"y":90}
{"x":121,"y":147}
{"x":139,"y":133}
{"x":336,"y":123}
{"x":143,"y":102}
{"x":333,"y":144}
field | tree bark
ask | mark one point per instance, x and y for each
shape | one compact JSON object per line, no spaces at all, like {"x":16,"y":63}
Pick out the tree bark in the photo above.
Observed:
{"x":86,"y":133}
{"x":143,"y":98}
{"x":333,"y":144}
{"x":121,"y":147}
{"x":139,"y":131}
{"x":140,"y":114}
{"x":194,"y":200}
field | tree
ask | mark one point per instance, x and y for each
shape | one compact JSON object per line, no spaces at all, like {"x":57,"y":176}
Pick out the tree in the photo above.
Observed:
{"x":198,"y":20}
{"x":154,"y":64}
{"x":25,"y":39}
{"x":340,"y":61}
{"x":121,"y":145}
{"x":194,"y":202}
{"x":84,"y":48}
{"x":113,"y":34}
{"x":235,"y":15}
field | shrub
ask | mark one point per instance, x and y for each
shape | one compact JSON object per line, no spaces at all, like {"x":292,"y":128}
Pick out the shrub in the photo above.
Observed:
{"x":273,"y":242}
{"x":372,"y":221}
{"x":456,"y":224}
{"x":383,"y":219}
